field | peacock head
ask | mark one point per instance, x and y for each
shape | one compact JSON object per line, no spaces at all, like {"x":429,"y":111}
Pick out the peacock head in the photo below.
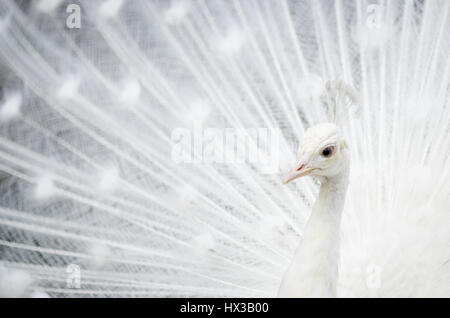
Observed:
{"x":322,"y":153}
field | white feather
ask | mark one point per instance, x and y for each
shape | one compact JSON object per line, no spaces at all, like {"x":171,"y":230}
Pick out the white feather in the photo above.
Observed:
{"x":216,"y":229}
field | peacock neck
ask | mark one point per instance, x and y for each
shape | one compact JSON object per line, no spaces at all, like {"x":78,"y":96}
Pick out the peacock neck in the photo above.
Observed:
{"x":314,"y":269}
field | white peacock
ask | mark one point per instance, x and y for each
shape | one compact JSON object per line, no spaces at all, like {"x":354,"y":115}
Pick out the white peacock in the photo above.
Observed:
{"x":89,"y":192}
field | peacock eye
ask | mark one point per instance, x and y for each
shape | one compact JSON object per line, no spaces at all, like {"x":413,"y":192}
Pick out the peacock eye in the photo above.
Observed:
{"x":328,"y":151}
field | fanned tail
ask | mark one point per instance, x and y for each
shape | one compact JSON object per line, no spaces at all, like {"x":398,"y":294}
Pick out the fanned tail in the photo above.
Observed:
{"x":115,"y":178}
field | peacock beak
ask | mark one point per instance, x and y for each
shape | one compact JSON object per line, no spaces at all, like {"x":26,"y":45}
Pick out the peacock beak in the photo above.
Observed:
{"x":300,"y":170}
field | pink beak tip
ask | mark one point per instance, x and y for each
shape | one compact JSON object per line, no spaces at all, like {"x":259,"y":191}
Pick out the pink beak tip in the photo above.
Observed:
{"x":295,"y":173}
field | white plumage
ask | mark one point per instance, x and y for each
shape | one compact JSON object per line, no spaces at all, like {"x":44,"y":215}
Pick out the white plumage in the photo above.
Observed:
{"x":91,"y":118}
{"x":314,"y":271}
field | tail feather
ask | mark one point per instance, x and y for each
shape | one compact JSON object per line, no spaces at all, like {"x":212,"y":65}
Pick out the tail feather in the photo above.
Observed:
{"x":109,"y":181}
